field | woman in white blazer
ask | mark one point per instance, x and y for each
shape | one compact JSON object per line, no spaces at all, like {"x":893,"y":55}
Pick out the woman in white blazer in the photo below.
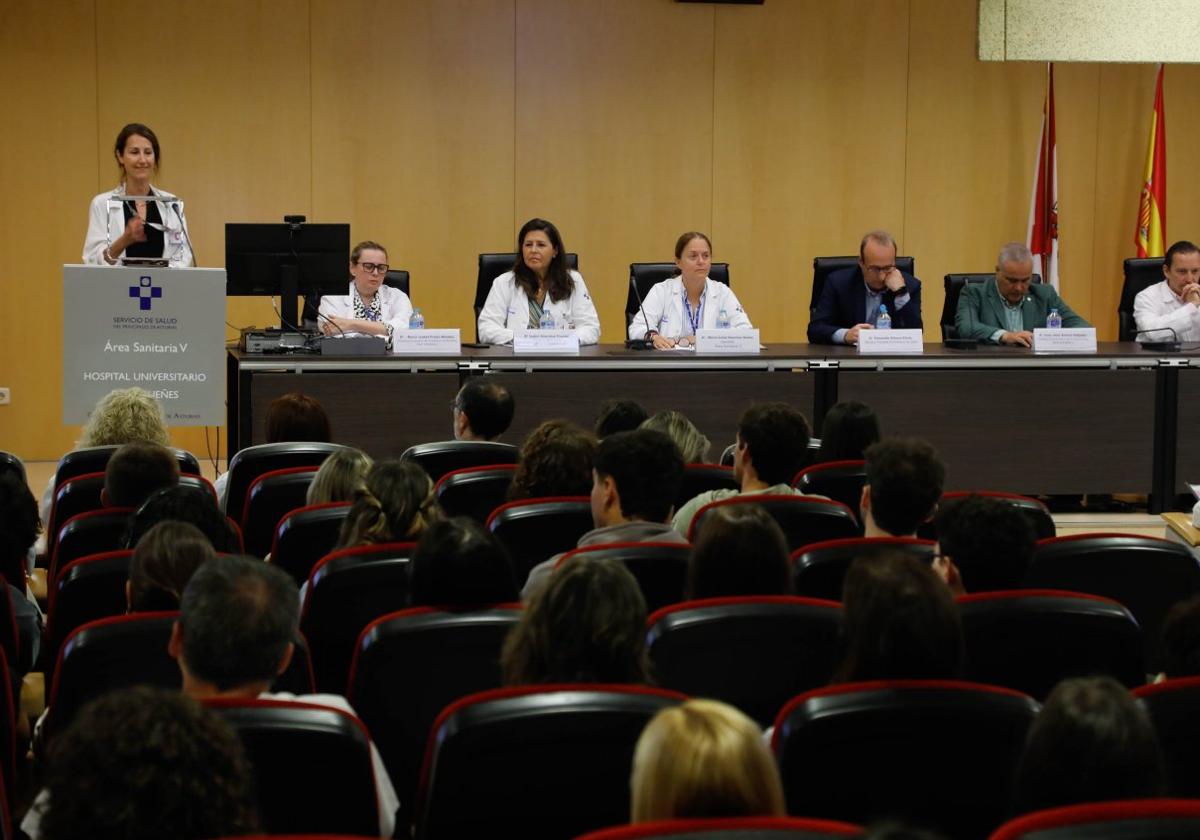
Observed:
{"x":149,"y":229}
{"x":689,"y":301}
{"x":370,"y":307}
{"x":539,"y":281}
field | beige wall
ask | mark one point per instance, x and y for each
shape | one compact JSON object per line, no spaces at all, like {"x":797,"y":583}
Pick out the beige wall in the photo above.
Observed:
{"x":784,"y":130}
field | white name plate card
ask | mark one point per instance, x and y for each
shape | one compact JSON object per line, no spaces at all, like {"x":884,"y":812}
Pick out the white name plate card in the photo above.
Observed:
{"x":728,"y":341}
{"x":1065,"y":340}
{"x":546,"y":341}
{"x":426,"y":343}
{"x":890,"y":341}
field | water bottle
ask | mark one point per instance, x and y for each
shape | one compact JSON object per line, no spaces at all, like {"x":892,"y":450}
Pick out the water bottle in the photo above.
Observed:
{"x":884,"y":321}
{"x":416,"y":321}
{"x":723,"y":319}
{"x":546,"y":322}
{"x":1053,"y":320}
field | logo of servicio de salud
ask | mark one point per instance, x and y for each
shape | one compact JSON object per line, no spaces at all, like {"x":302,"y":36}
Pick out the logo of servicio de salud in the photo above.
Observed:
{"x":145,"y":291}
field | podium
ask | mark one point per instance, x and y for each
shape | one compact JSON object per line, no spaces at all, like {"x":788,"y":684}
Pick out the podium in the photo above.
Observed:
{"x":160,"y":329}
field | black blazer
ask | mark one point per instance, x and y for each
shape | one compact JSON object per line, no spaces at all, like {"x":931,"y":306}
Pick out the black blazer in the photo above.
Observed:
{"x":843,"y":300}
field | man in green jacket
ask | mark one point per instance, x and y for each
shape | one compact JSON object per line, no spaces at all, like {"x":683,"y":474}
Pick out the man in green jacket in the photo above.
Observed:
{"x":1008,"y":310}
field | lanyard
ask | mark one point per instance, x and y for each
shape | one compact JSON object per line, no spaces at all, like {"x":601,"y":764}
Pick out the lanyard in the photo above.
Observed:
{"x":687,"y":307}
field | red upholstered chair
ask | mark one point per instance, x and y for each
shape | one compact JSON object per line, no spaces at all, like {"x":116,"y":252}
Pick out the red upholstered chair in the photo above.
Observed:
{"x":803,"y":519}
{"x":444,"y":456}
{"x":75,"y":496}
{"x":270,"y":497}
{"x":729,"y":828}
{"x":88,"y":533}
{"x":819,"y":569}
{"x":8,"y":739}
{"x":841,"y":481}
{"x":1172,"y":706}
{"x":251,"y":462}
{"x":95,"y":458}
{"x":306,"y":535}
{"x":700,"y":478}
{"x":1035,"y":511}
{"x":474,"y":491}
{"x":552,"y":759}
{"x":87,"y":589}
{"x":534,"y":530}
{"x":752,"y":652}
{"x":938,"y":754}
{"x":1134,"y":819}
{"x":659,"y":568}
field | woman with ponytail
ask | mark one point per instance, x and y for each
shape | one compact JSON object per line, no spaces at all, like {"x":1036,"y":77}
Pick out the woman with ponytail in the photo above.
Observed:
{"x":396,"y":505}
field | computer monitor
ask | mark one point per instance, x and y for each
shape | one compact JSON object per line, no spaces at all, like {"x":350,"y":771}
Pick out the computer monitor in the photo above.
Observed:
{"x":289,"y":259}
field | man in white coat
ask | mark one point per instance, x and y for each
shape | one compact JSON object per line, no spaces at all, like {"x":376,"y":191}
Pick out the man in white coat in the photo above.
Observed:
{"x":1174,"y":303}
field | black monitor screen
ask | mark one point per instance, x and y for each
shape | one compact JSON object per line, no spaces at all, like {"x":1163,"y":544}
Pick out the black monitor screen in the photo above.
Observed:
{"x":255,"y":253}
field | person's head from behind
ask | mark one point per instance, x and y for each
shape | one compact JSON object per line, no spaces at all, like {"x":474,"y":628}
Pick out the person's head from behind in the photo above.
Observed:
{"x":19,"y":526}
{"x":848,"y":429}
{"x":340,"y":477}
{"x":702,"y":759}
{"x":556,"y":460}
{"x":483,"y":410}
{"x":619,"y":415}
{"x":740,"y":550}
{"x":904,"y":482}
{"x":636,"y":478}
{"x":135,"y":471}
{"x":297,"y":417}
{"x":163,"y":562}
{"x":692,"y":443}
{"x":184,"y":503}
{"x":899,"y":621}
{"x":123,"y":416}
{"x":1091,"y":742}
{"x":586,"y":624}
{"x":396,"y":505}
{"x":237,"y":619}
{"x":1181,"y":639}
{"x":146,"y":763}
{"x":772,"y":444}
{"x":460,"y":563}
{"x":989,"y":541}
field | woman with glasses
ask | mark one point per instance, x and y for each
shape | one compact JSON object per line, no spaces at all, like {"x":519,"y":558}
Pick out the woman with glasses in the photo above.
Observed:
{"x":371,"y":308}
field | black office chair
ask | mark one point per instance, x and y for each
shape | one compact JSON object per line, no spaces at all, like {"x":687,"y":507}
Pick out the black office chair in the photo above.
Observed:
{"x":397,"y":278}
{"x":824,"y":266}
{"x":954,"y":286}
{"x":645,"y":275}
{"x":492,"y":266}
{"x":445,"y":456}
{"x":1140,"y":273}
{"x":95,"y":458}
{"x":11,"y":463}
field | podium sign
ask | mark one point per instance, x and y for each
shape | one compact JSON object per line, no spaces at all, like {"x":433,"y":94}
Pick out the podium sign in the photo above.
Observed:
{"x":159,"y":329}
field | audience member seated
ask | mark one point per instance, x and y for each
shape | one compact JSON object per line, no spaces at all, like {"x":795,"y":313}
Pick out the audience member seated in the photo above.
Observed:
{"x":483,"y":410}
{"x":703,"y":759}
{"x":848,"y":429}
{"x":340,"y":477}
{"x":619,"y":416}
{"x":740,"y":550}
{"x":899,"y":621}
{"x":1181,"y":640}
{"x":904,"y":483}
{"x":459,"y":563}
{"x":19,"y":527}
{"x":771,"y":447}
{"x":635,"y":478}
{"x":984,"y":545}
{"x":556,"y":460}
{"x":587,"y":624}
{"x":162,"y":563}
{"x":135,"y":471}
{"x":237,"y":620}
{"x":184,"y":504}
{"x":396,"y":505}
{"x":693,"y":445}
{"x":143,"y":764}
{"x":1091,"y":742}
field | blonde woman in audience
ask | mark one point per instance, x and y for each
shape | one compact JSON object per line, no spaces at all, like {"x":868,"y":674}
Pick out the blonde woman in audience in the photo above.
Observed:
{"x":691,"y":441}
{"x":703,"y":759}
{"x":340,"y":477}
{"x":395,"y":505}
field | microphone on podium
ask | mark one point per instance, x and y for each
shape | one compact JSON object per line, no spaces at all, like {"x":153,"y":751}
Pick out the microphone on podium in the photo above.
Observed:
{"x":1171,"y":346}
{"x":639,"y":343}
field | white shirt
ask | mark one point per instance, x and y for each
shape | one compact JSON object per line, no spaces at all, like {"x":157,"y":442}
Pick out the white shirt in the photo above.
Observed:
{"x":1157,"y":306}
{"x":507,"y":311}
{"x":106,"y":223}
{"x":395,"y":307}
{"x":667,"y":315}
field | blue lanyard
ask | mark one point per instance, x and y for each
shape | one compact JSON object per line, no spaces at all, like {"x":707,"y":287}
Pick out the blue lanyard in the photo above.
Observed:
{"x":687,"y":307}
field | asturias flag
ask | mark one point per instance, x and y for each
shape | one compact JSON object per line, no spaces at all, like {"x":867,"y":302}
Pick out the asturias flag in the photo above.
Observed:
{"x":1151,"y":234}
{"x":1043,"y":204}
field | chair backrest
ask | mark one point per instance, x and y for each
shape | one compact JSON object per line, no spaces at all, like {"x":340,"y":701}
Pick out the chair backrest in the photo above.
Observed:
{"x":729,"y":828}
{"x":803,"y":519}
{"x":18,"y":654}
{"x":95,"y":458}
{"x":75,"y":496}
{"x":824,"y":266}
{"x":660,"y":568}
{"x":1033,"y":509}
{"x":954,"y":286}
{"x":445,"y":456}
{"x":269,"y":498}
{"x":646,"y":275}
{"x":87,"y":533}
{"x":751,"y":652}
{"x":492,"y":266}
{"x":700,"y":478}
{"x":534,"y":530}
{"x":1172,"y":705}
{"x":11,"y":463}
{"x":938,"y":754}
{"x":1133,"y":819}
{"x":347,"y":590}
{"x":251,"y":462}
{"x":841,"y":481}
{"x":819,"y":569}
{"x":1146,"y":574}
{"x":87,"y":589}
{"x":1029,"y":640}
{"x":474,"y":491}
{"x":1140,"y":274}
{"x":413,"y":647}
{"x":8,"y":743}
{"x":397,"y":278}
{"x":306,"y":535}
{"x":312,"y":765}
{"x":505,"y":752}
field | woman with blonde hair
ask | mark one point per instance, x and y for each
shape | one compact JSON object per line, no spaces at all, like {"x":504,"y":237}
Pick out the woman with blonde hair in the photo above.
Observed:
{"x":396,"y":505}
{"x":691,"y":441}
{"x":340,"y":477}
{"x":703,"y":759}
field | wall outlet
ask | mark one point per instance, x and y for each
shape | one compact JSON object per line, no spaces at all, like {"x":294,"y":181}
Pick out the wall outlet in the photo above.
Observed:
{"x":5,"y":396}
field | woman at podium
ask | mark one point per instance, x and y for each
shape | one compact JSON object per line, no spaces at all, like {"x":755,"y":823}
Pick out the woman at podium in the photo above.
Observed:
{"x":371,"y":307}
{"x":136,"y":228}
{"x":679,"y":306}
{"x":540,"y":288}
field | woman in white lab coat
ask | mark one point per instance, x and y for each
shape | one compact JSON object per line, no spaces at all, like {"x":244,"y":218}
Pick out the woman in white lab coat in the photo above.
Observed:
{"x":147,"y":229}
{"x":370,"y":307}
{"x":679,"y":306}
{"x":539,"y":281}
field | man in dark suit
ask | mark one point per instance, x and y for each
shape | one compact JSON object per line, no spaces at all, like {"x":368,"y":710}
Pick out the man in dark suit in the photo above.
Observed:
{"x":851,"y":297}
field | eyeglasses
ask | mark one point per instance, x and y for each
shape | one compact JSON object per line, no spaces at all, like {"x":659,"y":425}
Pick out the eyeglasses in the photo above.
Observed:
{"x":374,"y":268}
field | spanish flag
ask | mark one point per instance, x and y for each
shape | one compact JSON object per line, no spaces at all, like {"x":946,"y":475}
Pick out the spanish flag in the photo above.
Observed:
{"x":1151,"y":235}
